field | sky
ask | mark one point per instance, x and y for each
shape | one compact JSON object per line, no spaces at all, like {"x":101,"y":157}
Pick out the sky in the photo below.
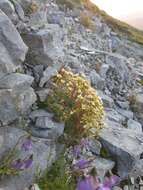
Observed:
{"x":130,"y":11}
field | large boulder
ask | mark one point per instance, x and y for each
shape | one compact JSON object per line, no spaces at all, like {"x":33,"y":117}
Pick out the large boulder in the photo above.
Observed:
{"x":13,"y":49}
{"x":44,"y":153}
{"x":16,"y":96}
{"x":125,"y":146}
{"x":15,"y":80}
{"x":45,"y":45}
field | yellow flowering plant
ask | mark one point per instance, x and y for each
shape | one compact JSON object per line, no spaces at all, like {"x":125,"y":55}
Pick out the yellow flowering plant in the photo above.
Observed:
{"x":75,"y":102}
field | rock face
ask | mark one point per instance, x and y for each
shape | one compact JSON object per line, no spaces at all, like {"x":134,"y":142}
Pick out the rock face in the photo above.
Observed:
{"x":122,"y":145}
{"x":16,"y":96}
{"x":44,"y":154}
{"x":13,"y":49}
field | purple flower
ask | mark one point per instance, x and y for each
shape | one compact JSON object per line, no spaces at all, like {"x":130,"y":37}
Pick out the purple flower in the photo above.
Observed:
{"x":76,"y":150}
{"x":27,"y":144}
{"x":28,"y":162}
{"x":81,"y":164}
{"x":108,"y":183}
{"x":84,"y":184}
{"x":111,"y":181}
{"x":17,"y":164}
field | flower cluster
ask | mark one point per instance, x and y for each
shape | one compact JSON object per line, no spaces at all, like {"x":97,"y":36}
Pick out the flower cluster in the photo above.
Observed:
{"x":74,"y":101}
{"x":25,"y":163}
{"x":9,"y":165}
{"x":82,"y":169}
{"x":93,"y":183}
{"x":20,"y":164}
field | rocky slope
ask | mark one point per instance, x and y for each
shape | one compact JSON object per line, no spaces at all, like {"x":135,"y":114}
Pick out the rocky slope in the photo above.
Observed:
{"x":36,"y":39}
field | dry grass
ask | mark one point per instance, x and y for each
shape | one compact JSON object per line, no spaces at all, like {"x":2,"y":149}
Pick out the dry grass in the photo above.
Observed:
{"x":90,"y":6}
{"x":97,"y":67}
{"x":123,"y":28}
{"x":71,"y":4}
{"x":85,"y":20}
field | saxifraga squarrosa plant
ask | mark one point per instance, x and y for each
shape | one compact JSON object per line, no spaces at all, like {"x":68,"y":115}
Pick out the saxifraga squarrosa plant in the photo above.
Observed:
{"x":74,"y":101}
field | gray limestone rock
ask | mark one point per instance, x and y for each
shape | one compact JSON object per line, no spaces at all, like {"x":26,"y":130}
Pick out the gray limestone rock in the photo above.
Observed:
{"x":123,"y":104}
{"x":120,"y":77}
{"x":45,"y":45}
{"x":103,"y":166}
{"x":134,"y":125}
{"x":16,"y":96}
{"x":95,"y":146}
{"x":43,"y":125}
{"x":42,"y":94}
{"x":8,"y":8}
{"x":103,"y":70}
{"x":48,"y":73}
{"x":96,"y":80}
{"x":113,"y":115}
{"x":126,"y":113}
{"x":125,"y":146}
{"x":8,"y":112}
{"x":13,"y":49}
{"x":15,"y":80}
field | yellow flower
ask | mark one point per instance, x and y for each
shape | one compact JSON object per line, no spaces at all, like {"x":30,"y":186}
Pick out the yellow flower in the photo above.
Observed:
{"x":86,"y":101}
